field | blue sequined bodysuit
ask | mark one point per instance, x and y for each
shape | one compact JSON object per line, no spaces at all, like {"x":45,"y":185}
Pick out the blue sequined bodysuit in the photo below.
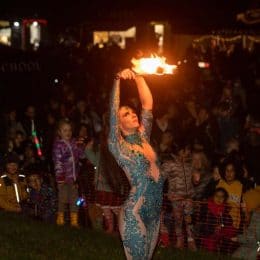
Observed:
{"x":140,"y":215}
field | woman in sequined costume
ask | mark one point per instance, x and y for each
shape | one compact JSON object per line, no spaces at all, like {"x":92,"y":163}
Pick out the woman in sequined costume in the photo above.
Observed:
{"x":129,"y":143}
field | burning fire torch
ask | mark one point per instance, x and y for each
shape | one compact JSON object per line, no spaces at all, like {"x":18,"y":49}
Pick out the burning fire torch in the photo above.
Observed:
{"x":152,"y":66}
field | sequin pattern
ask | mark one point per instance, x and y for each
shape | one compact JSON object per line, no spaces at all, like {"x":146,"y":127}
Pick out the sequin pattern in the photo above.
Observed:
{"x":140,"y":215}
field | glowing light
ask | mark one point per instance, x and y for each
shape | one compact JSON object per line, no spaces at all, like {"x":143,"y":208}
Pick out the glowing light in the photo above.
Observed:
{"x":203,"y":65}
{"x":37,"y":143}
{"x":35,"y":23}
{"x":153,"y":65}
{"x":80,"y":202}
{"x":16,"y":193}
{"x":4,"y":38}
{"x":16,"y":24}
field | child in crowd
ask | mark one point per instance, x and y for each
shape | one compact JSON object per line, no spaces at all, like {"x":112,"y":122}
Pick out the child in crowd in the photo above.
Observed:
{"x":18,"y":145}
{"x":66,"y":155}
{"x":165,"y":145}
{"x":216,"y":228}
{"x":201,"y":174}
{"x":230,"y":182}
{"x":164,"y":152}
{"x":42,"y":198}
{"x":111,"y":185}
{"x":13,"y":186}
{"x":178,"y":172}
{"x":31,"y":160}
{"x":213,"y":182}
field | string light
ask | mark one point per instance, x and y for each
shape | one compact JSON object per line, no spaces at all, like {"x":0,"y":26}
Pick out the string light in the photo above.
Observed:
{"x":16,"y":24}
{"x":227,"y":39}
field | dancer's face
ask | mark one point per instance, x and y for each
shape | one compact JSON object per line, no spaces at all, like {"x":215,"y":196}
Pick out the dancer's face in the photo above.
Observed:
{"x":128,"y":119}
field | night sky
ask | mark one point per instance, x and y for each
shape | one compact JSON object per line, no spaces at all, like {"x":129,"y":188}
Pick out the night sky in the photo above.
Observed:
{"x":64,"y":13}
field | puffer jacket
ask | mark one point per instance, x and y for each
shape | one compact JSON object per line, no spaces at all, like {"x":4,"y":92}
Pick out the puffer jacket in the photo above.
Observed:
{"x":179,"y":176}
{"x":66,"y":157}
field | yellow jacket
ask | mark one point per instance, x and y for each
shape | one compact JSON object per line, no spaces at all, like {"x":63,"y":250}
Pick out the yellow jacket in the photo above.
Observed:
{"x":234,"y":191}
{"x":251,"y":199}
{"x":12,"y":194}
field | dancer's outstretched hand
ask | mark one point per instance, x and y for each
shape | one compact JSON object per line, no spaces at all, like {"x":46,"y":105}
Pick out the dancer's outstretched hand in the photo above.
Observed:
{"x":126,"y":74}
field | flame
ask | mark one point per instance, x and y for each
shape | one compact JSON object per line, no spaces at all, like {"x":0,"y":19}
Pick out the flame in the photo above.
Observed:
{"x":153,"y":65}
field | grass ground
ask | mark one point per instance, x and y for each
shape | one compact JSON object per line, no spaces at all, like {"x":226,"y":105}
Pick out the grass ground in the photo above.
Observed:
{"x":23,"y":238}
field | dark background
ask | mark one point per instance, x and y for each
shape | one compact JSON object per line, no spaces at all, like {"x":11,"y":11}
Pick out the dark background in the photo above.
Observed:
{"x":186,"y":16}
{"x":185,"y":13}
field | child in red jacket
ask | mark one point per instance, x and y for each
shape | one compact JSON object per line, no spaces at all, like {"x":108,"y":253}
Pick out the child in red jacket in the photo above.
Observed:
{"x":216,"y":223}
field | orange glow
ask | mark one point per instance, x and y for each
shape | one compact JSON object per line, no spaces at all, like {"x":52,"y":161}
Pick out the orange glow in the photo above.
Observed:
{"x":153,"y":65}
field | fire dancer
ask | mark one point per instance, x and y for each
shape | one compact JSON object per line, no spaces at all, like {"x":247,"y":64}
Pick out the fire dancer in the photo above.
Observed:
{"x":129,"y":143}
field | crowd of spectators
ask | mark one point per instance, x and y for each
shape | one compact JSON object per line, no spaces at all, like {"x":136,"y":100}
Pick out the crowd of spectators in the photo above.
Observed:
{"x":206,"y":132}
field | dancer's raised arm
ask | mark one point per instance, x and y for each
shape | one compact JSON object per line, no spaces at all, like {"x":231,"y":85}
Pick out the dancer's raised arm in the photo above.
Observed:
{"x":114,"y":132}
{"x":145,"y":94}
{"x":115,"y":137}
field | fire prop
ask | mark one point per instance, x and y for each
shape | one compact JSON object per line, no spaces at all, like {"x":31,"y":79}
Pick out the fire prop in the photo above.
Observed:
{"x":153,"y":65}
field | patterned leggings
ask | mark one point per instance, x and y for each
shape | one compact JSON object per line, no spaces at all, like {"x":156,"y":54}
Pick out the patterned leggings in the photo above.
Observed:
{"x":182,"y":210}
